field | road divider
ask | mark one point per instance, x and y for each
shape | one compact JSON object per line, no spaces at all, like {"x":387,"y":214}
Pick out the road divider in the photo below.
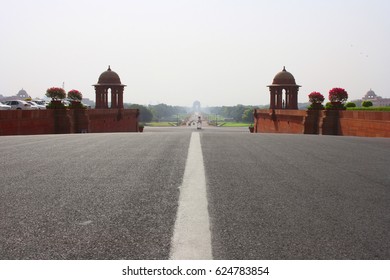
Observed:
{"x":192,"y":238}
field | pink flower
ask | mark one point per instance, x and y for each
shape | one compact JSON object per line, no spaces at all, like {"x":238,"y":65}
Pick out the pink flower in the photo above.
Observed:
{"x":338,"y":95}
{"x":56,"y":93}
{"x":316,"y":97}
{"x":75,"y":95}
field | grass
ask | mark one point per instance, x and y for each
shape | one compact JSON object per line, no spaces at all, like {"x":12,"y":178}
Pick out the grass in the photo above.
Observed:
{"x":386,"y":109}
{"x":234,"y":124}
{"x":161,"y":124}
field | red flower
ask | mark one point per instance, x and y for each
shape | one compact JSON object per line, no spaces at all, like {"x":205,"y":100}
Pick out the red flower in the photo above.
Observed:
{"x":338,"y":95}
{"x":316,"y":97}
{"x":56,"y":93}
{"x":75,"y":95}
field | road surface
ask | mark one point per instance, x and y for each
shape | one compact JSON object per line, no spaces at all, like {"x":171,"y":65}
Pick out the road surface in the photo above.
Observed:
{"x":247,"y":196}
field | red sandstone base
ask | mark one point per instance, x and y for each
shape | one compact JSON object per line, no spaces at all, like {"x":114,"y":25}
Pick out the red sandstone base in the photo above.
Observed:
{"x":52,"y":121}
{"x":325,"y":122}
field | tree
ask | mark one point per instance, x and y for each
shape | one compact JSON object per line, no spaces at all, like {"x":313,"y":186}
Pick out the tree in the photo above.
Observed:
{"x":237,"y":113}
{"x":145,"y":115}
{"x":247,"y":116}
{"x":166,"y":112}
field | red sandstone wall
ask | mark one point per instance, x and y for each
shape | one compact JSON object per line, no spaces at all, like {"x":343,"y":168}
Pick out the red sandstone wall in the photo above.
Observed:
{"x":364,"y":123}
{"x":348,"y":123}
{"x":280,"y":121}
{"x":113,"y":120}
{"x":26,"y":122}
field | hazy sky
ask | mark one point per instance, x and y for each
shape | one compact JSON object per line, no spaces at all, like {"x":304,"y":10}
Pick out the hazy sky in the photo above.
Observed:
{"x":178,"y":51}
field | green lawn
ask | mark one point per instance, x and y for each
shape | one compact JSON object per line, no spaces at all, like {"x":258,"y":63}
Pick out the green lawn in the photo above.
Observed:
{"x":161,"y":124}
{"x":386,"y":108}
{"x":233,"y":124}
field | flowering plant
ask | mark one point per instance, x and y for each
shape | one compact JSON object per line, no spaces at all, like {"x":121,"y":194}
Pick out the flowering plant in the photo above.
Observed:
{"x":338,"y":95}
{"x":56,"y":93}
{"x":75,"y":95}
{"x":316,"y":97}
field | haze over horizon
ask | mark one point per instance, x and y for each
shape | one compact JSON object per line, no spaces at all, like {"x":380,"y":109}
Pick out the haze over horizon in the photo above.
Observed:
{"x":176,"y":52}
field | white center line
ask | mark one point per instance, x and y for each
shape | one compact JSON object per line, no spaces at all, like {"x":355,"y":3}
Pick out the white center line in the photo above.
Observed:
{"x":192,"y":238}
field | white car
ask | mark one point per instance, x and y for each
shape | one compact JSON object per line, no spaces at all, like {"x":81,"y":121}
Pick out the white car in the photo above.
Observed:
{"x":20,"y":105}
{"x":4,"y":107}
{"x":41,"y":102}
{"x":39,"y":106}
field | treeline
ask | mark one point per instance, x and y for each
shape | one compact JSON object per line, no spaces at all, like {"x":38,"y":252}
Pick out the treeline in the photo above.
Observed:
{"x":163,"y":112}
{"x":238,"y":113}
{"x":159,"y":112}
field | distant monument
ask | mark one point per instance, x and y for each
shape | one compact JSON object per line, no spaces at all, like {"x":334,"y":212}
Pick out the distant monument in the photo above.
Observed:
{"x":284,"y":91}
{"x":22,"y":94}
{"x":109,"y":81}
{"x":376,"y":100}
{"x":196,"y":106}
{"x":370,"y":95}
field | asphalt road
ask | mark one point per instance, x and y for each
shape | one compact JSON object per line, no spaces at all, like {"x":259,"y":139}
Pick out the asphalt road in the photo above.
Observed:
{"x":270,"y":196}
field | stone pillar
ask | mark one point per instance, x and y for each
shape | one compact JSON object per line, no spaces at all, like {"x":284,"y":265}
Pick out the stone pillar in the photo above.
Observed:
{"x":100,"y":97}
{"x":287,"y":101}
{"x":279,"y":102}
{"x":120,"y":98}
{"x":272,"y":100}
{"x":113,"y":97}
{"x":105,"y":106}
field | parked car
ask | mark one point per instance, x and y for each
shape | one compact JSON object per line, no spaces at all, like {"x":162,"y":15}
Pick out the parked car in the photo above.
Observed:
{"x":20,"y":105}
{"x":40,"y":107}
{"x":4,"y":107}
{"x":41,"y":102}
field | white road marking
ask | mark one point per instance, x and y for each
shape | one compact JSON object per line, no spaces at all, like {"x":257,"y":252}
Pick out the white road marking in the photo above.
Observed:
{"x":192,"y":238}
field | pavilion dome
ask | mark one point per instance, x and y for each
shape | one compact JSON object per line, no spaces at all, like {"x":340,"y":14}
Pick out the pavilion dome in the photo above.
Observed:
{"x":109,"y":77}
{"x":22,"y":94}
{"x":284,"y":78}
{"x":370,"y":94}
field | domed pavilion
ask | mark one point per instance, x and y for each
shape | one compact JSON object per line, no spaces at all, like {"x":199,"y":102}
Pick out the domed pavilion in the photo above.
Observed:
{"x":283,"y":91}
{"x":109,"y":81}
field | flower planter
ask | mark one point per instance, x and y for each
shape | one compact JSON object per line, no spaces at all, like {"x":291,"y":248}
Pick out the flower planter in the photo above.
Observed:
{"x":55,"y":104}
{"x":141,"y":129}
{"x":75,"y":104}
{"x":337,"y":105}
{"x":316,"y":106}
{"x":251,"y":129}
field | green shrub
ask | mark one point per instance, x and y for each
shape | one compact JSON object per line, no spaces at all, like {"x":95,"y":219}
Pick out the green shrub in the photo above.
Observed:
{"x":330,"y":106}
{"x":350,"y":105}
{"x":367,"y":103}
{"x":315,"y":106}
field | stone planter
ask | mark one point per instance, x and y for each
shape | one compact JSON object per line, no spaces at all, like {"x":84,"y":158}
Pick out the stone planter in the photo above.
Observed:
{"x":75,"y":104}
{"x":316,"y":106}
{"x":336,"y":106}
{"x":56,"y":104}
